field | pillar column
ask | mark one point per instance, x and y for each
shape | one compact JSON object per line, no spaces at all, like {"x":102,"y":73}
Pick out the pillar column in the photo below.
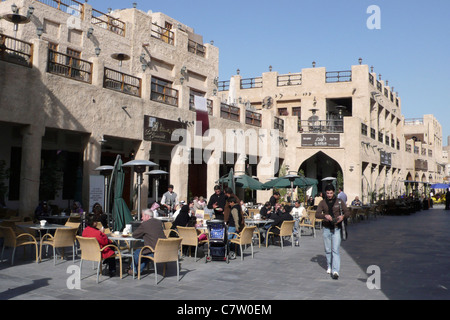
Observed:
{"x":30,"y":169}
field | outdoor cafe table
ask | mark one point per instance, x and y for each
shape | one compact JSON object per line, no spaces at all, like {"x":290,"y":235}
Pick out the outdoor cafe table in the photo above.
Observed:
{"x":164,"y":218}
{"x":119,"y":238}
{"x":39,"y":227}
{"x":257,"y":223}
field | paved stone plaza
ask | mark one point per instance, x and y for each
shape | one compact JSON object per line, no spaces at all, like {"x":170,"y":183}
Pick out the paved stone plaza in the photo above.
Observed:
{"x":412,"y":252}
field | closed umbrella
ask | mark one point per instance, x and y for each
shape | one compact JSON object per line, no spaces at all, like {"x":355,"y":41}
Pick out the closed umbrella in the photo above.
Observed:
{"x":120,"y":211}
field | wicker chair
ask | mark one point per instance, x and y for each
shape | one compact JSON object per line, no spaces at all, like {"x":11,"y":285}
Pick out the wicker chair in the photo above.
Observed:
{"x":190,"y":238}
{"x":309,"y":222}
{"x":90,"y":251}
{"x":64,"y":237}
{"x":166,"y":250}
{"x":286,"y":230}
{"x":11,"y":240}
{"x":245,"y":237}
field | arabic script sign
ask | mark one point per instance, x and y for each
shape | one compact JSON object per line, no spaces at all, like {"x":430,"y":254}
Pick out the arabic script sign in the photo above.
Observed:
{"x":321,"y":140}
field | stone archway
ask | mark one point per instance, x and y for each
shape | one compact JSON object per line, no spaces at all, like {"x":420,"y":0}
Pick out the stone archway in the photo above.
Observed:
{"x":320,"y":166}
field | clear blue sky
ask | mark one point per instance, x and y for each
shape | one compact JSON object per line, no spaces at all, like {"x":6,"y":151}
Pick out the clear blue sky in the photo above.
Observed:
{"x":411,"y":50}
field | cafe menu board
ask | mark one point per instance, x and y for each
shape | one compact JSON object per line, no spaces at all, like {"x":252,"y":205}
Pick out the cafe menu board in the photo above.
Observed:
{"x":160,"y":130}
{"x":321,"y":140}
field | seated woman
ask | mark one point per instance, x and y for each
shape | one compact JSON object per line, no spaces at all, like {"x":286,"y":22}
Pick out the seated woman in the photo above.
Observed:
{"x":91,"y":231}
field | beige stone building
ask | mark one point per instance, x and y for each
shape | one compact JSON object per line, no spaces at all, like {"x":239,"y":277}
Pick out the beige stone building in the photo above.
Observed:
{"x":79,"y":87}
{"x":347,"y":121}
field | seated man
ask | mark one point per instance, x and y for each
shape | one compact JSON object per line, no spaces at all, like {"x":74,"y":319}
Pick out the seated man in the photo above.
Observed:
{"x":150,"y":230}
{"x":356,"y":202}
{"x":91,"y":231}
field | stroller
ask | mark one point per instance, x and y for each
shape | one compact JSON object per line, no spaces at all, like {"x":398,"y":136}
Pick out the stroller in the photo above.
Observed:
{"x":217,"y":241}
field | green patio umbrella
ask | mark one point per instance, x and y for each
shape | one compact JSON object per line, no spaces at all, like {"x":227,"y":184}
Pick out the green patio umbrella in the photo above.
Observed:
{"x":289,"y":181}
{"x":245,"y":181}
{"x":120,"y":212}
{"x":229,"y":179}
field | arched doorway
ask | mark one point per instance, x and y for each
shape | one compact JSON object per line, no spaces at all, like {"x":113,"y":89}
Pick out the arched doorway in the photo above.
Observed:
{"x":321,"y":166}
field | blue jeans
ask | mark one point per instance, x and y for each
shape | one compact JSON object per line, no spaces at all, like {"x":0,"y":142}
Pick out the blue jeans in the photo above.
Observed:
{"x":143,"y":262}
{"x":332,"y":242}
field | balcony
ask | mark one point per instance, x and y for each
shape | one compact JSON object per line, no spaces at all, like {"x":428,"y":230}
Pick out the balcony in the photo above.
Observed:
{"x":196,"y":48}
{"x":70,"y":6}
{"x":162,"y":34}
{"x":108,"y":22}
{"x":338,"y":76}
{"x":289,"y":80}
{"x":253,"y":118}
{"x":16,"y":51}
{"x":251,"y":83}
{"x":230,"y":112}
{"x":321,"y":126}
{"x":122,"y":82}
{"x":161,"y":91}
{"x":68,"y":66}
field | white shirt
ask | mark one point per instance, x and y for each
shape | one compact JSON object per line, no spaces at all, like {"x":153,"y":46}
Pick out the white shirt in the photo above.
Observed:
{"x":299,"y":212}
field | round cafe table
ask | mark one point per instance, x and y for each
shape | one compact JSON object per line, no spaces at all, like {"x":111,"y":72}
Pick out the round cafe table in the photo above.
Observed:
{"x":118,"y":238}
{"x":257,"y":223}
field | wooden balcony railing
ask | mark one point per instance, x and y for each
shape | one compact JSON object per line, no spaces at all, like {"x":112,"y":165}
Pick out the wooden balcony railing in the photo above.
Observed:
{"x":16,"y":51}
{"x":253,"y":118}
{"x":72,"y":7}
{"x":164,"y":94}
{"x":278,"y":123}
{"x":230,"y":112}
{"x":196,"y":48}
{"x":70,"y":67}
{"x":162,"y":34}
{"x":108,"y":22}
{"x":122,"y":82}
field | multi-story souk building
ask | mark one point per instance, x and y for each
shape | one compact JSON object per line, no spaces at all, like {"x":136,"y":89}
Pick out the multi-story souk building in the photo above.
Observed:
{"x":79,"y":86}
{"x":347,"y":121}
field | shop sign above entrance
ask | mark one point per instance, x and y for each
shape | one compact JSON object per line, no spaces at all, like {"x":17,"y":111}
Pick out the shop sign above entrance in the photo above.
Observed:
{"x":160,"y":130}
{"x":321,"y":140}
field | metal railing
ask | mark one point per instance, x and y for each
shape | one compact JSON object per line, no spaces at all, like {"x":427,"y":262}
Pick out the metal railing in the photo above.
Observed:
{"x":108,"y":22}
{"x":338,"y":76}
{"x":119,"y":81}
{"x":196,"y":48}
{"x":251,"y":83}
{"x":70,"y":67}
{"x":230,"y":112}
{"x":224,"y":85}
{"x":162,"y":34}
{"x":321,"y":126}
{"x":289,"y":80}
{"x":16,"y":51}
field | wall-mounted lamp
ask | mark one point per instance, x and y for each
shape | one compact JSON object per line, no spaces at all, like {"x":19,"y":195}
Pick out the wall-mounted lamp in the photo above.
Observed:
{"x":313,"y":64}
{"x":14,"y":8}
{"x":360,"y":61}
{"x":97,"y":51}
{"x":216,"y":81}
{"x":183,"y":70}
{"x":39,"y":32}
{"x":30,"y":11}
{"x":90,"y":32}
{"x":181,"y":80}
{"x":214,"y":92}
{"x":144,"y":67}
{"x":352,"y":168}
